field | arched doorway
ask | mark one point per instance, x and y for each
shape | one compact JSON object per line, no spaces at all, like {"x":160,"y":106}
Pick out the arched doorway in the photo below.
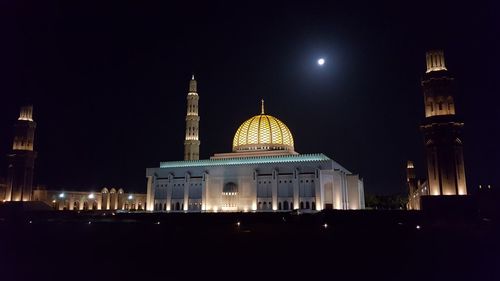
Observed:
{"x":285,"y":205}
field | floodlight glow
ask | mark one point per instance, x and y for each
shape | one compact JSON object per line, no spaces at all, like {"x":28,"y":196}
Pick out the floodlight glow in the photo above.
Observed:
{"x":321,"y":61}
{"x":61,"y":195}
{"x":91,"y":196}
{"x":130,"y":197}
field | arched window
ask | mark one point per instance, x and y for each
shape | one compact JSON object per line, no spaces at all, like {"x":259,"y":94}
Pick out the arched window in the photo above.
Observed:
{"x":94,"y":205}
{"x":85,"y":205}
{"x":177,"y":206}
{"x":279,"y":206}
{"x":285,"y":205}
{"x":164,"y":206}
{"x":291,"y":205}
{"x":307,"y":205}
{"x":76,"y":205}
{"x":313,"y":205}
{"x":301,"y":205}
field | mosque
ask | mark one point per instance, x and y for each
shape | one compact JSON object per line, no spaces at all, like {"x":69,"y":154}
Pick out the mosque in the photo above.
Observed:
{"x":262,"y":173}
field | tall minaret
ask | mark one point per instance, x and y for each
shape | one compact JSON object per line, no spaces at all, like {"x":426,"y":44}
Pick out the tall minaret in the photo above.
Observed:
{"x":22,"y":158}
{"x":411,"y":178}
{"x":442,"y":130}
{"x":192,"y":141}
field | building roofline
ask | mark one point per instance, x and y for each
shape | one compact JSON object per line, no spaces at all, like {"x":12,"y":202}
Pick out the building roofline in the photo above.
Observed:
{"x":247,"y":160}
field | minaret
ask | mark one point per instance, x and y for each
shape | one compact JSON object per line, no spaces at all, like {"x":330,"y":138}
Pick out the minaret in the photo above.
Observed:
{"x":442,"y":130}
{"x":22,"y":158}
{"x":191,"y":141}
{"x":411,"y":178}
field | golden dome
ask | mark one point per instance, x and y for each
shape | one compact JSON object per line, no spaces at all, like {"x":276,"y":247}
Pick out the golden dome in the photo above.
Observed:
{"x":262,"y":132}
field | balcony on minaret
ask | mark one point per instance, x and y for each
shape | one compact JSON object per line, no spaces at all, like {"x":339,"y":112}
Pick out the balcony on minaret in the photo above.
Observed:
{"x":435,"y":61}
{"x":26,"y":113}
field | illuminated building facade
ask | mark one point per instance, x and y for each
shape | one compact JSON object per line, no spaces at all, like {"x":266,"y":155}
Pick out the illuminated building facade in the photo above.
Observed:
{"x":106,"y":199}
{"x":19,"y":184}
{"x":442,"y":134}
{"x":262,"y":173}
{"x":21,"y":159}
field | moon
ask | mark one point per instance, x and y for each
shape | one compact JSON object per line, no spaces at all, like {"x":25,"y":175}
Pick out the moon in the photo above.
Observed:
{"x":321,"y":61}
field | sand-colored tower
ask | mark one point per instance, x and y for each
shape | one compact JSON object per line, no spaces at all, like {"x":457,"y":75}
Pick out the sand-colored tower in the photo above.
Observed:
{"x":22,"y":158}
{"x":442,"y":130}
{"x":191,"y":140}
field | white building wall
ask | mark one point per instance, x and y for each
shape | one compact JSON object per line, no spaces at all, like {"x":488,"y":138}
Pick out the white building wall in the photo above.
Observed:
{"x":308,"y":182}
{"x":355,"y":192}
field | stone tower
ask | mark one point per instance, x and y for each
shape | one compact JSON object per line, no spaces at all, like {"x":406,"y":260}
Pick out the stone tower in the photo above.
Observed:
{"x":442,"y":130}
{"x":411,"y":178}
{"x":191,"y":141}
{"x":22,"y":158}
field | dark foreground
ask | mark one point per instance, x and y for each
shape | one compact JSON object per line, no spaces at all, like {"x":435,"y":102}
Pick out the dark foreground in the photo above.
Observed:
{"x":353,"y":245}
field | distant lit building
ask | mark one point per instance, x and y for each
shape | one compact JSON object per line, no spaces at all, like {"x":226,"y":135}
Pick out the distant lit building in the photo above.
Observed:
{"x":262,"y":173}
{"x":442,"y":136}
{"x":19,"y":183}
{"x":106,"y":199}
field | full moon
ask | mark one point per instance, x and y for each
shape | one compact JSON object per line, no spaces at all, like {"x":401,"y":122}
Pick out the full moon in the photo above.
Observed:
{"x":321,"y":61}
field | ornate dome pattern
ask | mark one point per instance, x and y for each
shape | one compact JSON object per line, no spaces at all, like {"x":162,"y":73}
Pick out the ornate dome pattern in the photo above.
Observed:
{"x":262,"y":132}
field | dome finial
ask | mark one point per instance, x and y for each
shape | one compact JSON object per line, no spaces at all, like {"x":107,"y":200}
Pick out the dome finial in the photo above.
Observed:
{"x":262,"y":106}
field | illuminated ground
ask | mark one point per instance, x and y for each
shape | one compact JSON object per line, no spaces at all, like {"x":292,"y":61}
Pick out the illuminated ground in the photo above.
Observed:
{"x":378,"y":245}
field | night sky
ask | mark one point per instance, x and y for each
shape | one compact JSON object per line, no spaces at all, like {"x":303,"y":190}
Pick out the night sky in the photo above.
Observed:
{"x":108,"y":82}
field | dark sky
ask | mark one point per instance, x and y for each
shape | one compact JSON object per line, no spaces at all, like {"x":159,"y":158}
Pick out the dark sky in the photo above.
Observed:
{"x":109,"y":82}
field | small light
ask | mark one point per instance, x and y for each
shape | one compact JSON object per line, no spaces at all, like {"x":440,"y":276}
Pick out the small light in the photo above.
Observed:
{"x":418,"y":227}
{"x":31,"y":221}
{"x":130,"y":197}
{"x":53,"y":201}
{"x":61,"y":195}
{"x":321,"y":61}
{"x":157,"y":222}
{"x":489,"y":186}
{"x":91,"y":196}
{"x":238,"y":224}
{"x":90,"y":222}
{"x":325,"y":225}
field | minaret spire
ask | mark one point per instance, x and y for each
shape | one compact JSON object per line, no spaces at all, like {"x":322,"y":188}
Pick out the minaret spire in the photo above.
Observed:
{"x":191,"y":140}
{"x":262,"y":106}
{"x":22,"y":158}
{"x":192,"y":85}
